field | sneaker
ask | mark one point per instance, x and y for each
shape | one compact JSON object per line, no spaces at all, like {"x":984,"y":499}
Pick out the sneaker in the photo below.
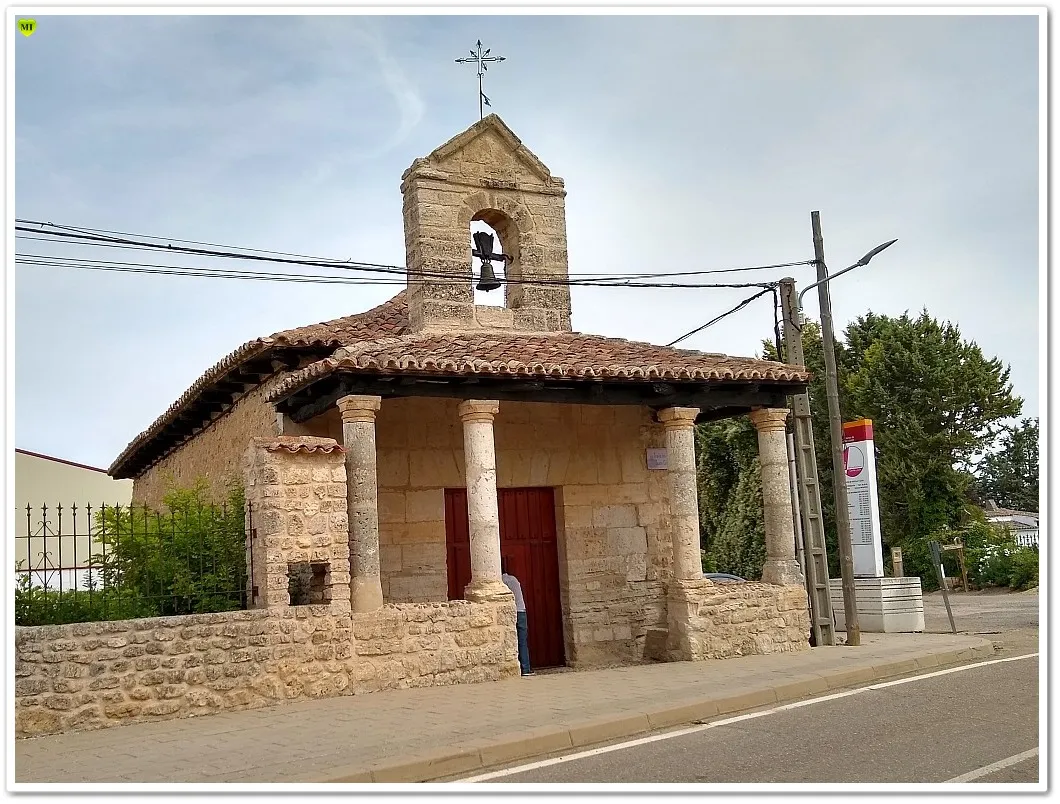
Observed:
{"x":527,"y":675}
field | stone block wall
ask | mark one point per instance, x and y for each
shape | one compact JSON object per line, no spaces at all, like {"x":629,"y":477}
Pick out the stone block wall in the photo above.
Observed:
{"x":710,"y":620}
{"x":214,"y":453}
{"x":484,"y":173}
{"x":95,"y":675}
{"x":612,"y":516}
{"x":92,"y":675}
{"x":296,"y":511}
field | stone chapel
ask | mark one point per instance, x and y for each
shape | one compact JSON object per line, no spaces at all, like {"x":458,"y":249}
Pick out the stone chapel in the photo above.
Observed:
{"x":468,"y":433}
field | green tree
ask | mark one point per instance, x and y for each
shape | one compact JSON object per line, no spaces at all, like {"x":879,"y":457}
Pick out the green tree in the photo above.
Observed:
{"x":1009,"y":475}
{"x":730,"y":489}
{"x":935,"y":401}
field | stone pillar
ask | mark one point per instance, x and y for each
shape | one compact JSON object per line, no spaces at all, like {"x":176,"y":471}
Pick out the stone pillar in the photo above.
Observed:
{"x":295,"y":504}
{"x":362,"y":499}
{"x":684,"y":495}
{"x":780,"y":566}
{"x":480,"y":457}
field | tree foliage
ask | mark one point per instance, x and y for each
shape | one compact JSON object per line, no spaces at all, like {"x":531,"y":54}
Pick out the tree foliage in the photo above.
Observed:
{"x":730,"y":489}
{"x":1009,"y":476}
{"x":936,"y":402}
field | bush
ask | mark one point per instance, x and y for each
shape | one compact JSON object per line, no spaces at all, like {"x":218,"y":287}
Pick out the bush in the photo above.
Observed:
{"x":1024,"y":572}
{"x":993,"y":558}
{"x":36,"y":606}
{"x":188,"y":558}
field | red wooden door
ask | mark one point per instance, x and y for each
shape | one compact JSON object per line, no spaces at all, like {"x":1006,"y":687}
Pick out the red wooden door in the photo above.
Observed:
{"x":528,"y":545}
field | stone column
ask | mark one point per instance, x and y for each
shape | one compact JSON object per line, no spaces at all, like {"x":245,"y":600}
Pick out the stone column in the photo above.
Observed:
{"x":484,"y":528}
{"x":684,"y":495}
{"x":780,"y":566}
{"x":362,"y":499}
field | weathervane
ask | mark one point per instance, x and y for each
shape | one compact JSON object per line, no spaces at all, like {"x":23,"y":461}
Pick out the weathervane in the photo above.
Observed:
{"x":480,"y":58}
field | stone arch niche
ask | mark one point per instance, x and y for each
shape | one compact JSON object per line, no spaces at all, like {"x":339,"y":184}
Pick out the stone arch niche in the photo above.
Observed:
{"x":484,"y":174}
{"x":506,"y":241}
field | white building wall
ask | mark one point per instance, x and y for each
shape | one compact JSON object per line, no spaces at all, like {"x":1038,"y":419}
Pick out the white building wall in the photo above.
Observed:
{"x":54,"y":546}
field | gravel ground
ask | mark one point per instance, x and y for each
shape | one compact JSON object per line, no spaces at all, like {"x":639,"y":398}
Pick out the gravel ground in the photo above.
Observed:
{"x":1010,"y":619}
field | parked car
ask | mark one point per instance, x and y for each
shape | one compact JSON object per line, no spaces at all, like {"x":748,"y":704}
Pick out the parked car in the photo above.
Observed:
{"x":724,"y":577}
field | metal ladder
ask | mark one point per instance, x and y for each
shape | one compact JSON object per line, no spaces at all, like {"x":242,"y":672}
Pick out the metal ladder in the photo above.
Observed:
{"x":815,"y":563}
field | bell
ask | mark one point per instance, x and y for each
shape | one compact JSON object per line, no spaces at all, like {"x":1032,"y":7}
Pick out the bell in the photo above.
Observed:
{"x":486,"y":278}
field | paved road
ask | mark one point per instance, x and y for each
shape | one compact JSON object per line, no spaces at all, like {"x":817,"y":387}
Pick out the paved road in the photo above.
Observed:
{"x":931,"y":729}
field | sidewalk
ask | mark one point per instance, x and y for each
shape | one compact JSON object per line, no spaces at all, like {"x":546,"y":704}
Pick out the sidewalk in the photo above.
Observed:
{"x":427,"y":733}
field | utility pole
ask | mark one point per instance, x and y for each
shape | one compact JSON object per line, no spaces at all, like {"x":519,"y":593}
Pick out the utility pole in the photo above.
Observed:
{"x":835,"y":423}
{"x":815,"y":555}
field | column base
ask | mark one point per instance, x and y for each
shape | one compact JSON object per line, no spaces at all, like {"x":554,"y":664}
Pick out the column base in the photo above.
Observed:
{"x":366,"y":594}
{"x":488,"y":592}
{"x":783,"y":572}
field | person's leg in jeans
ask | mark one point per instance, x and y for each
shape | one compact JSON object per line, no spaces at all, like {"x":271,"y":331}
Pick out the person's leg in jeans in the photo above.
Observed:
{"x":524,"y":648}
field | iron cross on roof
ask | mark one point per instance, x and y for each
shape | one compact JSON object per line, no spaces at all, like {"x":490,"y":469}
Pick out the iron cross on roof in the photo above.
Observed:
{"x":480,"y":58}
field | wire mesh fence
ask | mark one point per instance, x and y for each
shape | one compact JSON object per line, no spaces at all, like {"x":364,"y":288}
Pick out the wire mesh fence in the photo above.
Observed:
{"x":108,"y":562}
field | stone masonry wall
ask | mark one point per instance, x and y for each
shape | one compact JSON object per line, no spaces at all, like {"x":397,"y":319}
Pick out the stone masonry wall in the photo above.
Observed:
{"x":213,"y":454}
{"x":612,"y":514}
{"x":95,"y":675}
{"x":91,"y":675}
{"x":710,"y":620}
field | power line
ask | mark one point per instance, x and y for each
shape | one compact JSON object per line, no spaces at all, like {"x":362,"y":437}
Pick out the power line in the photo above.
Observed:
{"x":176,"y":270}
{"x":716,"y":319}
{"x":201,"y":273}
{"x":103,"y":237}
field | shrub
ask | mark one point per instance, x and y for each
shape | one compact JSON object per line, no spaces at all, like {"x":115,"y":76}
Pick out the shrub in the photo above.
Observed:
{"x":994,"y":558}
{"x":1024,"y":572}
{"x":37,"y":606}
{"x":188,"y":558}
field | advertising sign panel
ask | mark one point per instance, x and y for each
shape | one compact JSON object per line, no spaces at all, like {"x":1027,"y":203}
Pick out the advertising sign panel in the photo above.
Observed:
{"x":859,"y":463}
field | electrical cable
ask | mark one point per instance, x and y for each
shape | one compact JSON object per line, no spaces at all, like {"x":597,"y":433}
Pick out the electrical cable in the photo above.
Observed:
{"x":716,"y":319}
{"x":91,"y":230}
{"x":74,"y":262}
{"x":101,"y":237}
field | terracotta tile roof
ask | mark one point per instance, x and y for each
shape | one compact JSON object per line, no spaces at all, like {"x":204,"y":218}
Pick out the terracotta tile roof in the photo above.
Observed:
{"x":567,"y":355}
{"x":388,"y":319}
{"x":306,"y":444}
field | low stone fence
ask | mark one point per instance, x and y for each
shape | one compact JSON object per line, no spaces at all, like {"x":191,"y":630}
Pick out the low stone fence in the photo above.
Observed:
{"x":94,"y":675}
{"x":710,"y":620}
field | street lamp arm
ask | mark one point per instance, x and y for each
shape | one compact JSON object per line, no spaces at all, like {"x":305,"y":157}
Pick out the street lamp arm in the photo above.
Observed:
{"x":863,"y":261}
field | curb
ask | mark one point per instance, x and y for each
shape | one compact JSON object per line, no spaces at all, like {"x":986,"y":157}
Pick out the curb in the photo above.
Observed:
{"x":485,"y":754}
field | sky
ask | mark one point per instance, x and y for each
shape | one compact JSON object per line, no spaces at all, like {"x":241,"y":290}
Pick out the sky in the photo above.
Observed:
{"x":686,"y":143}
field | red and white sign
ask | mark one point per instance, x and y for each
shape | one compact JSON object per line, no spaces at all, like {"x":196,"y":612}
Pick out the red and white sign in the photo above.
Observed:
{"x":863,"y":503}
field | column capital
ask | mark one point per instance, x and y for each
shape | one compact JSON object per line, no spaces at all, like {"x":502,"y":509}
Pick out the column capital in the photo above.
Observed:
{"x":678,"y":417}
{"x":768,"y":420}
{"x":355,"y":408}
{"x":478,"y":410}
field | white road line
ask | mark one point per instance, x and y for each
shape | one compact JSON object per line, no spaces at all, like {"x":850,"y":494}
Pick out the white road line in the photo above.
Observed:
{"x":986,"y":770}
{"x":593,"y":752}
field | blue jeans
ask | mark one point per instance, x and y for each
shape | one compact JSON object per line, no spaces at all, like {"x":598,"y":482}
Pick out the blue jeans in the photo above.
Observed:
{"x":524,"y":647}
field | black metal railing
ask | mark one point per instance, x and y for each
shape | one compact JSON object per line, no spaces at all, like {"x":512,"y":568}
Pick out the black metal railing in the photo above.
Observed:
{"x":87,"y":563}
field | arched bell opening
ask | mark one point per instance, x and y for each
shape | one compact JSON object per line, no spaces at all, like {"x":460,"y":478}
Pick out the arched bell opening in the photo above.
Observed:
{"x":495,"y":255}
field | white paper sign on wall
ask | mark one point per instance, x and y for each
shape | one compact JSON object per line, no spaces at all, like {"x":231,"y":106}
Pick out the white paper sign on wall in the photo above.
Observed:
{"x":658,"y":459}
